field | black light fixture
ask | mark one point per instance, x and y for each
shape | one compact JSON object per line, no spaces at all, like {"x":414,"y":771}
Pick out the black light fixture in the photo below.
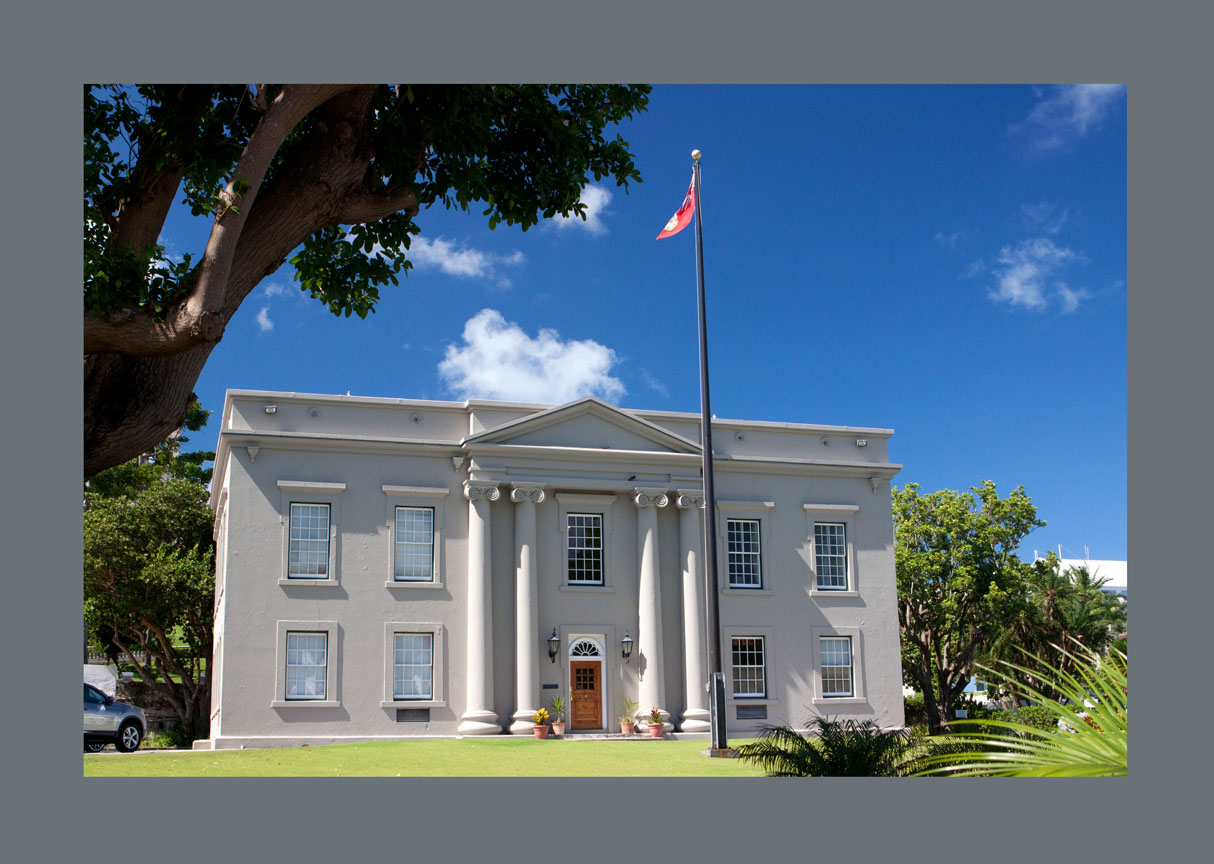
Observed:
{"x":554,"y":645}
{"x":626,"y":646}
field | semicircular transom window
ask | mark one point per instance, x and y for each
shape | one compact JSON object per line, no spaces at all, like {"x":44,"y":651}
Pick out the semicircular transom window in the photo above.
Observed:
{"x":585,"y":648}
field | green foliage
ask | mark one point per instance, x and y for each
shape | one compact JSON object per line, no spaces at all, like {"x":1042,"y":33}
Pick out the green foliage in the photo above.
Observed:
{"x":959,"y":581}
{"x":558,"y":708}
{"x":629,"y":714}
{"x":1033,"y":746}
{"x":834,"y":748}
{"x":165,"y":461}
{"x":914,"y":710}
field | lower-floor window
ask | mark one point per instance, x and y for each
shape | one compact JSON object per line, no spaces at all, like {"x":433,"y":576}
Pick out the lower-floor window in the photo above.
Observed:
{"x":749,"y":676}
{"x":307,"y":655}
{"x":413,"y":666}
{"x":836,"y":666}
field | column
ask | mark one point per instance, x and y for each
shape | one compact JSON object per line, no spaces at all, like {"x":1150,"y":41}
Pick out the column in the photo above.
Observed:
{"x":696,"y":716}
{"x":479,"y":718}
{"x":649,"y":605}
{"x":526,"y":608}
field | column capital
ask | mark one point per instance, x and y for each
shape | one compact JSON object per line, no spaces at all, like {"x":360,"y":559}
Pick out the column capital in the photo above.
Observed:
{"x":527,"y":492}
{"x":474,"y":491}
{"x":650,"y":497}
{"x":689,"y":498}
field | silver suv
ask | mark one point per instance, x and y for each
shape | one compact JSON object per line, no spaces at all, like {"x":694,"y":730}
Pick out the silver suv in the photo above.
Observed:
{"x":107,"y":721}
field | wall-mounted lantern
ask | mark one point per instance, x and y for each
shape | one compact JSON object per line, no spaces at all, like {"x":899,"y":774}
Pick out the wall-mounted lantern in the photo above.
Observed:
{"x":554,"y":645}
{"x":626,"y":646}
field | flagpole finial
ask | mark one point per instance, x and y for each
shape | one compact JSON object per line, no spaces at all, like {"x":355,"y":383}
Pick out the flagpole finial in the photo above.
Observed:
{"x":695,"y":154}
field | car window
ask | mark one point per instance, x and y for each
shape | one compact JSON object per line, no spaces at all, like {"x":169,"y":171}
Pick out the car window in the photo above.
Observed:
{"x":93,"y":695}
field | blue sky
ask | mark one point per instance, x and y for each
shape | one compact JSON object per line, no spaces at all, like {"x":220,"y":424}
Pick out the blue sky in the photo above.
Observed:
{"x":946,"y":261}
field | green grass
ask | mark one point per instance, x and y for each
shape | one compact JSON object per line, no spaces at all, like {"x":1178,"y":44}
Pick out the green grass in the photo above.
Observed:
{"x":439,"y":757}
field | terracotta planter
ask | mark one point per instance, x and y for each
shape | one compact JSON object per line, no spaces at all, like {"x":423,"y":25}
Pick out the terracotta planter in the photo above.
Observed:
{"x":558,"y":727}
{"x":627,"y":728}
{"x":540,"y":731}
{"x":656,"y":730}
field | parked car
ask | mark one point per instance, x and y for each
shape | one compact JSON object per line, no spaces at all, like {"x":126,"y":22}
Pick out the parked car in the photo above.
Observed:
{"x":110,"y":722}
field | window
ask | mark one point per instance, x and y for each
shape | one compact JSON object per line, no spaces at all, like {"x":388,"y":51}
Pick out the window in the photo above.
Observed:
{"x":307,"y":656}
{"x":749,"y":677}
{"x":830,"y":555}
{"x":308,"y":550}
{"x":414,"y":558}
{"x":742,"y":545}
{"x":836,"y":666}
{"x":585,"y":546}
{"x":413,"y":666}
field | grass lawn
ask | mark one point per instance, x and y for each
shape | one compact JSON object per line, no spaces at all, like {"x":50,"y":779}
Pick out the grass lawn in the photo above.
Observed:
{"x":440,"y":757}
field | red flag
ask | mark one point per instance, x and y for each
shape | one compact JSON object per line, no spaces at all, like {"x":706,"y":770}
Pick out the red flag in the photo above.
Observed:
{"x":682,"y":217}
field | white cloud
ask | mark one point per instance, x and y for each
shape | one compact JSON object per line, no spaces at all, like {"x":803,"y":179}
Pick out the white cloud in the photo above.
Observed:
{"x":498,"y":360}
{"x":596,"y":199}
{"x":274,"y":289}
{"x":951,"y":240}
{"x":1023,"y":272}
{"x":466,"y":262}
{"x":1070,"y":297}
{"x":653,"y":383}
{"x":1045,"y":216}
{"x":263,"y":319}
{"x":1068,"y":112}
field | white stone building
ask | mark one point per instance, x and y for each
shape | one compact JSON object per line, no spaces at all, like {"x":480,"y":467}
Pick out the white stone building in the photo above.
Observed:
{"x":391,"y":568}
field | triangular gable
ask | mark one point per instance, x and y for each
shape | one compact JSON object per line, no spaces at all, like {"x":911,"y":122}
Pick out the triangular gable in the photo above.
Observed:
{"x":589,"y":423}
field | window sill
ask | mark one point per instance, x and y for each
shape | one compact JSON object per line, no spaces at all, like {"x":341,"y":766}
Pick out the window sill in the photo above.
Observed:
{"x":751,"y":700}
{"x":415,"y":703}
{"x":820,"y":592}
{"x":315,"y":583}
{"x":305,"y":703}
{"x":404,"y":583}
{"x":747,"y":592}
{"x":587,"y":589}
{"x":840,"y":700}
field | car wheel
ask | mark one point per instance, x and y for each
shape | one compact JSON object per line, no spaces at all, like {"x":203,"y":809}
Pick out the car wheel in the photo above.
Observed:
{"x":130,"y":736}
{"x":94,"y":748}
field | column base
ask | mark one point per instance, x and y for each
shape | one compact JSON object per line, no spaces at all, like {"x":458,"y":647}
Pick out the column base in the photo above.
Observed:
{"x":479,"y":723}
{"x":522,"y":724}
{"x":696,"y":720}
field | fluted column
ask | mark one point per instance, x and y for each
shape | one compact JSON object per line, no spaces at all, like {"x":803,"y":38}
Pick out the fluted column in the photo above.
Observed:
{"x":526,"y":609}
{"x":479,"y":718}
{"x":696,"y":717}
{"x":649,"y":606}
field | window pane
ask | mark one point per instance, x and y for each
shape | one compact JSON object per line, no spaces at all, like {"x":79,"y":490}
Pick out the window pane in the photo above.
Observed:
{"x":585,"y":548}
{"x":749,"y":677}
{"x":308,"y":549}
{"x":830,"y":555}
{"x":306,"y":659}
{"x":413,"y":669}
{"x":742,"y":544}
{"x":414,"y":544}
{"x":836,"y":666}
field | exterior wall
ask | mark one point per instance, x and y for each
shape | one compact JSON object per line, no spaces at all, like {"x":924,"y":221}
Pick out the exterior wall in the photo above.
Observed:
{"x":312,"y":445}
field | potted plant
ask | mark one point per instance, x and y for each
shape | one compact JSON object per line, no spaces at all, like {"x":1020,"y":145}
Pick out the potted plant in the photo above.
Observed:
{"x":628,"y":718}
{"x":655,"y":723}
{"x":558,"y":715}
{"x":540,"y":721}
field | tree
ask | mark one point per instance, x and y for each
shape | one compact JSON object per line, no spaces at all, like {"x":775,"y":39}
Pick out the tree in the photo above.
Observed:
{"x":149,"y":581}
{"x":834,"y":748}
{"x":337,"y":172}
{"x":165,"y":460}
{"x":1063,"y":608}
{"x":959,"y":582}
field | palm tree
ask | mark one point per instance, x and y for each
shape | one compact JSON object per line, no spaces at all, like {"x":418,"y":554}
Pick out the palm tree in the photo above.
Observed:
{"x":833,"y":748}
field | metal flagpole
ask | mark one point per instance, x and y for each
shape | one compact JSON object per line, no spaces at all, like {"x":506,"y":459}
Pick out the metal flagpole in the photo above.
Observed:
{"x":719,"y":737}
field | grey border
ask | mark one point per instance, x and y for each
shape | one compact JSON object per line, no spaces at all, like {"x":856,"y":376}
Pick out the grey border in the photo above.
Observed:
{"x":1154,"y":48}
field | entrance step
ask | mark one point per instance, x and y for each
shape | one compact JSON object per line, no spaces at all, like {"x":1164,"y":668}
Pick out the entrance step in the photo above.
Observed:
{"x":605,"y":736}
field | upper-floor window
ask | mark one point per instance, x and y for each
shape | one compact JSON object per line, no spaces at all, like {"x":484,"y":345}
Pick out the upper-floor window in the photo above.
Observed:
{"x":585,"y":548}
{"x":830,"y":555}
{"x":308,"y":548}
{"x":743,"y":549}
{"x":414,"y":544}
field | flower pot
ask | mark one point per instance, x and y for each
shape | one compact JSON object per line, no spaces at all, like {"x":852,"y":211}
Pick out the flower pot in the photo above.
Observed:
{"x":656,"y":730}
{"x":558,"y":727}
{"x":540,"y":731}
{"x":627,"y":728}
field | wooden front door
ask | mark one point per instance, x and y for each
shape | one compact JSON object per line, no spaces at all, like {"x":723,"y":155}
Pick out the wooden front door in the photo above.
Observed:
{"x":586,"y":694}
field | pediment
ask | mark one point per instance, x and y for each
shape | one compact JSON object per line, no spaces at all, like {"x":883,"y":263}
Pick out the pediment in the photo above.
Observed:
{"x":587,"y":423}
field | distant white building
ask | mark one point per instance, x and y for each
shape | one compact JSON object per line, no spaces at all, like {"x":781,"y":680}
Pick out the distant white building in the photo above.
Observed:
{"x":1116,"y":573}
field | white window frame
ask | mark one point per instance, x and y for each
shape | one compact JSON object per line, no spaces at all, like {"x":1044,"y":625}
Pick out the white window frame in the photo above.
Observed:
{"x":420,"y":497}
{"x":310,"y":492}
{"x":759,"y":555}
{"x":595,"y":505}
{"x":438,"y":698}
{"x":332,"y":658}
{"x":857,"y":696}
{"x":837,"y":514}
{"x":753,"y":511}
{"x":748,"y":697}
{"x":770,"y":649}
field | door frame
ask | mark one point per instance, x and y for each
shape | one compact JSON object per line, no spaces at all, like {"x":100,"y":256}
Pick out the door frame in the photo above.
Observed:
{"x":601,"y":643}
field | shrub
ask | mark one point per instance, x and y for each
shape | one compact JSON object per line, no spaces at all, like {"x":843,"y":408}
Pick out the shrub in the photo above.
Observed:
{"x":914,"y":709}
{"x":834,"y":748}
{"x":1037,"y":716}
